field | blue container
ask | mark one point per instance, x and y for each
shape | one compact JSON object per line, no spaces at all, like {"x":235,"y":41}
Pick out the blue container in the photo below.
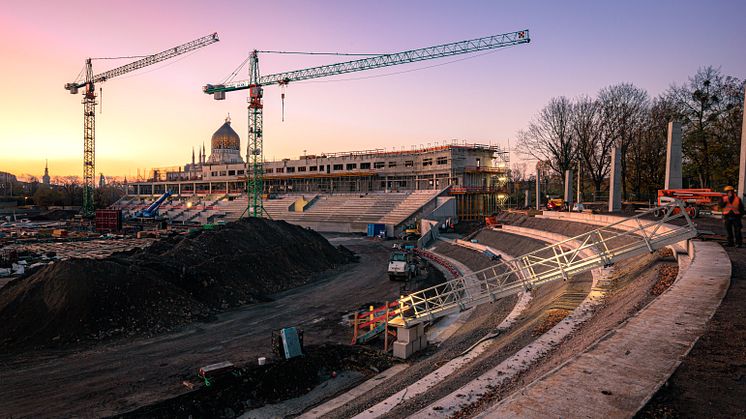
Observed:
{"x":375,"y":229}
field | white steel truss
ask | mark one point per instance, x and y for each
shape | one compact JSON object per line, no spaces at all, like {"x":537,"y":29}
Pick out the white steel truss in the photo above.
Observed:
{"x":601,"y":247}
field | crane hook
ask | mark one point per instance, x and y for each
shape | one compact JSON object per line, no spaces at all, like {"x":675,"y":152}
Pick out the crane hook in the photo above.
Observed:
{"x":282,"y":98}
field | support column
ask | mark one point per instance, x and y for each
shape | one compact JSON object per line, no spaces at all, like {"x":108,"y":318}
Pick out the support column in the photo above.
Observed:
{"x":579,"y":185}
{"x":615,"y":180}
{"x":673,"y":156}
{"x":538,"y":186}
{"x":568,"y":188}
{"x":525,"y":198}
{"x":742,"y":161}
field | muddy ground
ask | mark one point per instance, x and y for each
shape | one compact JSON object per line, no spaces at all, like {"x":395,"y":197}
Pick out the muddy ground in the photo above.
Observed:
{"x":252,"y":386}
{"x":711,"y":380}
{"x":119,"y":376}
{"x":175,"y":281}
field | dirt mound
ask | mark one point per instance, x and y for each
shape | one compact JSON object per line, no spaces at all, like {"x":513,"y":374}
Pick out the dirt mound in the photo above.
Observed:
{"x":175,"y":281}
{"x":253,"y":386}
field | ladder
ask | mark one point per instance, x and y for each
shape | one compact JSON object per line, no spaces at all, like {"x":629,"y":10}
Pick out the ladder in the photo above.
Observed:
{"x":598,"y":248}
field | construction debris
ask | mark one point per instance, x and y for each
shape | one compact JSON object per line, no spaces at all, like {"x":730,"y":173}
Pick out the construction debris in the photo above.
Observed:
{"x":256,"y":385}
{"x":550,"y":319}
{"x":666,"y":276}
{"x":176,"y":280}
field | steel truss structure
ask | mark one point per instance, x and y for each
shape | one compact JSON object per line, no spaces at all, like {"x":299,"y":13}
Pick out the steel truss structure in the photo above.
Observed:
{"x":599,"y":248}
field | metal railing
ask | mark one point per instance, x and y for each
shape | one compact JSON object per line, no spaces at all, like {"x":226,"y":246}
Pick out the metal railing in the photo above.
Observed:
{"x":601,"y":247}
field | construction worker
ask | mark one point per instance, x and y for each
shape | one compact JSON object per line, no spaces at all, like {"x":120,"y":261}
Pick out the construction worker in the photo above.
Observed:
{"x":732,"y":213}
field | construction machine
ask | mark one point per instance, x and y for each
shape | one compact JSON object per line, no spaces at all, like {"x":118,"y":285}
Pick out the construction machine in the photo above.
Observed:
{"x":696,"y":200}
{"x":152,"y":210}
{"x":402,"y":266}
{"x":410,"y":232}
{"x":555,"y":204}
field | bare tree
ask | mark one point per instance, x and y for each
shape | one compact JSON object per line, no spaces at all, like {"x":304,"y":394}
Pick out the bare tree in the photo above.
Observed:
{"x":708,"y":106}
{"x":623,"y":107}
{"x":71,"y":189}
{"x":519,"y":172}
{"x":549,"y":136}
{"x":594,"y":149}
{"x":648,"y":150}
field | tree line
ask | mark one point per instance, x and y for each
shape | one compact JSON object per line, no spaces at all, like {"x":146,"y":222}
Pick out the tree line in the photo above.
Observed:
{"x":585,"y":129}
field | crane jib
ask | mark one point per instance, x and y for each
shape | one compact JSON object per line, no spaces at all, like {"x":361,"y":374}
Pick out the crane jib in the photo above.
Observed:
{"x":379,"y":61}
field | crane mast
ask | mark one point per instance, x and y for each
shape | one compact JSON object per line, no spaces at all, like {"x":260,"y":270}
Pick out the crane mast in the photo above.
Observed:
{"x":89,"y":105}
{"x":255,"y":83}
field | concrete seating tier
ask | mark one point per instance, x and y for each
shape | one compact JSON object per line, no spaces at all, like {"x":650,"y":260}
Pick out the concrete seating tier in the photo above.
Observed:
{"x":411,"y":204}
{"x":339,"y":212}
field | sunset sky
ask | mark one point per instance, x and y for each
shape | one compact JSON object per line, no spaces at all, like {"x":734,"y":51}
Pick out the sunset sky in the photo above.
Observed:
{"x":153,"y":117}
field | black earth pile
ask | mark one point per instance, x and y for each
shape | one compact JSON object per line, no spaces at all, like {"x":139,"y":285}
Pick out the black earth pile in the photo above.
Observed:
{"x":175,"y":281}
{"x":254,"y":386}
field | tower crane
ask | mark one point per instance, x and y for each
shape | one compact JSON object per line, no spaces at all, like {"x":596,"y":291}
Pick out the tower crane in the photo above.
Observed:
{"x":89,"y":105}
{"x":256,"y":83}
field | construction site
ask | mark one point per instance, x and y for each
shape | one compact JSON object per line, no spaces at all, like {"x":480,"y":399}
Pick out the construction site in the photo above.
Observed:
{"x":420,"y":281}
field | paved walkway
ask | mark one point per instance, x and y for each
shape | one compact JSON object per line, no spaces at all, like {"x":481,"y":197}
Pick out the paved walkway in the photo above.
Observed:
{"x":618,"y":375}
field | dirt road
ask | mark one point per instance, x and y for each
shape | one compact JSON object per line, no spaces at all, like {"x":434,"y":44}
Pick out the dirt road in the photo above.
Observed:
{"x":711,"y":380}
{"x":118,"y":377}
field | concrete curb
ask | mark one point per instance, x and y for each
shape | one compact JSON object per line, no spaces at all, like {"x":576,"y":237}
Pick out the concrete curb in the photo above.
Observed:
{"x":619,"y":373}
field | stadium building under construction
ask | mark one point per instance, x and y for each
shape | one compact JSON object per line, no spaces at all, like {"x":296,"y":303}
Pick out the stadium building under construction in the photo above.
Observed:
{"x":474,"y":175}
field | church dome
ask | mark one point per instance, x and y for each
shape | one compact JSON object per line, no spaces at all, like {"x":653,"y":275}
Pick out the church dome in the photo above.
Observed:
{"x":225,"y":138}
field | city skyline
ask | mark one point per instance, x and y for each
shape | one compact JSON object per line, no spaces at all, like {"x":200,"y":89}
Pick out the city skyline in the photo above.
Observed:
{"x":153,"y":117}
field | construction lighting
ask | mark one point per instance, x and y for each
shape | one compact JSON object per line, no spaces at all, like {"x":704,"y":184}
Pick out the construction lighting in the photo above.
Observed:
{"x":189,"y":204}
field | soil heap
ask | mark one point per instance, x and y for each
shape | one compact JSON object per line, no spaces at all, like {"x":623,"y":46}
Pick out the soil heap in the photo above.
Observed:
{"x":175,"y":281}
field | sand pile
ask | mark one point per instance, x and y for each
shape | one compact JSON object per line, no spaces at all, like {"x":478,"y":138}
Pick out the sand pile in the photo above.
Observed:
{"x":175,"y":281}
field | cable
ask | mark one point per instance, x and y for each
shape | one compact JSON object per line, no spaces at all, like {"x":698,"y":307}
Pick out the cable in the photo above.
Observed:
{"x":80,"y":75}
{"x":235,"y":72}
{"x":353,"y":54}
{"x":406,"y":71}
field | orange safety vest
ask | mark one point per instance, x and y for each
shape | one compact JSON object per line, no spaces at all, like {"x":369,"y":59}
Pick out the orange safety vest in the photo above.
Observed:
{"x":731,"y":207}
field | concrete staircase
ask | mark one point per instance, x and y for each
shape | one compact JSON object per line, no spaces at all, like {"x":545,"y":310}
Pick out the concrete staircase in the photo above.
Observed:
{"x":408,"y":207}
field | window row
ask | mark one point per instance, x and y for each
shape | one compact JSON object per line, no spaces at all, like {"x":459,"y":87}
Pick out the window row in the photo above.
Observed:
{"x":354,"y":166}
{"x":227,"y":173}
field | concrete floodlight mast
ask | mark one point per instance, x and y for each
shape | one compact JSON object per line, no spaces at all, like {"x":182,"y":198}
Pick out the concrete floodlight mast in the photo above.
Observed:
{"x":89,"y":105}
{"x":255,"y":84}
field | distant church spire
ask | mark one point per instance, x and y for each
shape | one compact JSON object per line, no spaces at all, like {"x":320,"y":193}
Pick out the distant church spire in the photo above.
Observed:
{"x":45,"y":178}
{"x":192,"y":156}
